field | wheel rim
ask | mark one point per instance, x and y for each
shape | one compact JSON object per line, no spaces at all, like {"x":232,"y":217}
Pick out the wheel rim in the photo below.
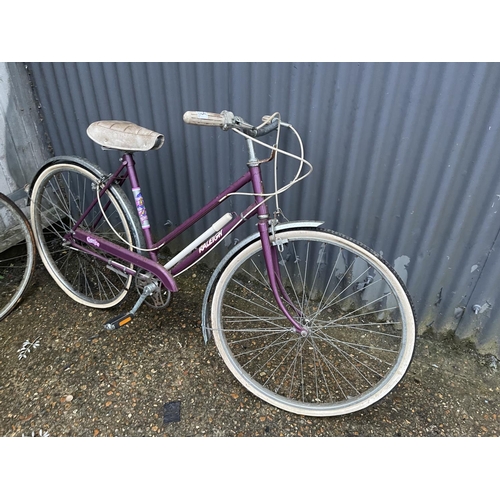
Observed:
{"x":16,"y":256}
{"x":59,"y":200}
{"x":360,"y":327}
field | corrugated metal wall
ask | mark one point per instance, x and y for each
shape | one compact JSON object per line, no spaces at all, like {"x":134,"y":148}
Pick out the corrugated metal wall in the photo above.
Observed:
{"x":406,"y":157}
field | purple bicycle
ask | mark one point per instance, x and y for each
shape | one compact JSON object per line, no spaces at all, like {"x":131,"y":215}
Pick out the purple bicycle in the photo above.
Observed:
{"x":306,"y":319}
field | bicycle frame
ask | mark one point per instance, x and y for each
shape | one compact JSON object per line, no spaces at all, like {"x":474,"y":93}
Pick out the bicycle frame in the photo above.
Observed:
{"x":335,"y":341}
{"x":199,"y":247}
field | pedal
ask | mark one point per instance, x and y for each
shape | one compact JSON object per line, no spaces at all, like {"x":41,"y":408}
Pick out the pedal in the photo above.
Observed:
{"x":123,"y":319}
{"x":119,"y":321}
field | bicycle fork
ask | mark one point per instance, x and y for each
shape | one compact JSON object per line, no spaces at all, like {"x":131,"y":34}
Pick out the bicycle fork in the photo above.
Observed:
{"x":270,"y":250}
{"x":271,"y":259}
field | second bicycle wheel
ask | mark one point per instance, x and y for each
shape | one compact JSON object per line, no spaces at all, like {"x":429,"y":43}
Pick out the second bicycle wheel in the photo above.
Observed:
{"x":17,"y":255}
{"x":359,"y":323}
{"x":61,"y":195}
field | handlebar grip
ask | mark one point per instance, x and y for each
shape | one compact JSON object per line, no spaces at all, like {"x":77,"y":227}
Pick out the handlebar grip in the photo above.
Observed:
{"x":204,"y":118}
{"x":269,"y":127}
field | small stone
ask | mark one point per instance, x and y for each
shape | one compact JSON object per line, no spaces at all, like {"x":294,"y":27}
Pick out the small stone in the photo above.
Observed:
{"x":68,"y":398}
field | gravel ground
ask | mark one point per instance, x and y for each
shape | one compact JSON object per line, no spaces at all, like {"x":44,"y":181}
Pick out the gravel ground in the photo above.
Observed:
{"x":84,"y":381}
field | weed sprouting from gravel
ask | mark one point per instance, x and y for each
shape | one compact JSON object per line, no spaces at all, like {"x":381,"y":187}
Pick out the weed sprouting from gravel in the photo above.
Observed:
{"x":27,"y":347}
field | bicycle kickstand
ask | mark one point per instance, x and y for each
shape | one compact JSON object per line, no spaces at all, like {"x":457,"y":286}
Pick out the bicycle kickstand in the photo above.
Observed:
{"x":123,"y":319}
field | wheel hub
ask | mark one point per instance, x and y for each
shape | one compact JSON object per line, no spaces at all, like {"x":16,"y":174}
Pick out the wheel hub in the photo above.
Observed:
{"x":306,"y":327}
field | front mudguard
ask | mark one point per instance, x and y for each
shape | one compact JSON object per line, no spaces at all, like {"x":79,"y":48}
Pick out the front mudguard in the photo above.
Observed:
{"x":206,"y":330}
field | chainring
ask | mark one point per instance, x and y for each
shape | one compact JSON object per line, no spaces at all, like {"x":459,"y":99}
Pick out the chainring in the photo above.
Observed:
{"x":160,"y":298}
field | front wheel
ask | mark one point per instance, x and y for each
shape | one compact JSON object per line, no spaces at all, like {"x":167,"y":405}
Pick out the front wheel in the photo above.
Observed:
{"x":358,"y":318}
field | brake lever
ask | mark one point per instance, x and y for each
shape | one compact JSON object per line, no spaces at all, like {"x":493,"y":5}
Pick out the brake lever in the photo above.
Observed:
{"x":240,"y":123}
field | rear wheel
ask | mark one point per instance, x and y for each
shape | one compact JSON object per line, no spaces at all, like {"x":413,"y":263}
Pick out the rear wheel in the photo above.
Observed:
{"x":359,"y":322}
{"x":17,"y":255}
{"x":60,"y":197}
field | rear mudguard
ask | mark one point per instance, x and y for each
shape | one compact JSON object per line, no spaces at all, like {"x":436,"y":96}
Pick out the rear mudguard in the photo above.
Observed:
{"x":303,"y":224}
{"x":117,"y":191}
{"x":76,"y":160}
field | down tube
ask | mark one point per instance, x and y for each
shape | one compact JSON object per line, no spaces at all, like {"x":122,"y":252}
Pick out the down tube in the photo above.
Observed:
{"x":204,"y":249}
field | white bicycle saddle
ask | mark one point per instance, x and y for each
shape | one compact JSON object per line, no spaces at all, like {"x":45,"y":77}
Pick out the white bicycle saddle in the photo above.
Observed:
{"x":124,"y":136}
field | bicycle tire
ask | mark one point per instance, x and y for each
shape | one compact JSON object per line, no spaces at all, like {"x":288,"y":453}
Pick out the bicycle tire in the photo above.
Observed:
{"x":60,"y":195}
{"x":358,"y":314}
{"x":17,"y":255}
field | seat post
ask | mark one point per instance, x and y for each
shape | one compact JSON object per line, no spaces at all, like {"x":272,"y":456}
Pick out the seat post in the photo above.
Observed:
{"x":129,"y":163}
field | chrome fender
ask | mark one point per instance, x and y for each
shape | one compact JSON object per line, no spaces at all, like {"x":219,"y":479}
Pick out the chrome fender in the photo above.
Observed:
{"x":76,"y":160}
{"x":302,"y":224}
{"x":117,"y":191}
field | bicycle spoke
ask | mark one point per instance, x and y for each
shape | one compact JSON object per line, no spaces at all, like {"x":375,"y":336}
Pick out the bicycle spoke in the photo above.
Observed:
{"x":354,"y":328}
{"x":255,"y":294}
{"x":249,"y":315}
{"x":61,"y":195}
{"x":17,"y":255}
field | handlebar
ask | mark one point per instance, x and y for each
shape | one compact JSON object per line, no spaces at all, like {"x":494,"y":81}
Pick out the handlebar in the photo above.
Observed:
{"x":227,"y":120}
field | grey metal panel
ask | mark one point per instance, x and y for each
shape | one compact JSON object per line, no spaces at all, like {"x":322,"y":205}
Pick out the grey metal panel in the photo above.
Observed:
{"x":22,"y":143}
{"x":405,"y":155}
{"x":22,"y":140}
